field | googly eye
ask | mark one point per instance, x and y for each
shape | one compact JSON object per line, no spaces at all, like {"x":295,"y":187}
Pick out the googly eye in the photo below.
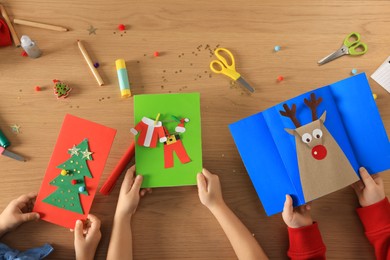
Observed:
{"x":306,"y":138}
{"x":317,"y":133}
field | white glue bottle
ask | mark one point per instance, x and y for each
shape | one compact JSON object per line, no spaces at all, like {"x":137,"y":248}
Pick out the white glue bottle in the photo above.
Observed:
{"x":30,"y":47}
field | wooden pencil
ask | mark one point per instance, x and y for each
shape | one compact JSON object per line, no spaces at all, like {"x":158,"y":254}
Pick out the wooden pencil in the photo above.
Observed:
{"x":40,"y":25}
{"x":15,"y":37}
{"x":90,"y":64}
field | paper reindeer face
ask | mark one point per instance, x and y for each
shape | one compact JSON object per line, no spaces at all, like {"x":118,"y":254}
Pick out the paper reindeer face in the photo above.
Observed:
{"x":312,"y":135}
{"x":323,"y":166}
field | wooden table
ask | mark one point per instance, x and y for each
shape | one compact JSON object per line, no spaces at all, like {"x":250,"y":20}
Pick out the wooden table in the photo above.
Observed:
{"x":171,"y":223}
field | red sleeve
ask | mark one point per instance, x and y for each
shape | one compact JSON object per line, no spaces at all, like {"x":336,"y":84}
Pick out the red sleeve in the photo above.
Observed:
{"x":161,"y":134}
{"x":306,"y":243}
{"x":138,"y":127}
{"x":376,"y":222}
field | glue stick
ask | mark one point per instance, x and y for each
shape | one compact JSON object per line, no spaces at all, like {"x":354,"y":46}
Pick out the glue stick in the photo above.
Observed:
{"x":123,"y":78}
{"x":30,"y":47}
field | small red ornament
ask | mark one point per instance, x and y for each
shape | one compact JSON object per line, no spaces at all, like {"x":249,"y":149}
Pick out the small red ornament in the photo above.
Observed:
{"x":37,"y":88}
{"x":121,"y":27}
{"x":5,"y":39}
{"x":24,"y":54}
{"x":156,"y":54}
{"x":74,"y":182}
{"x":280,"y":78}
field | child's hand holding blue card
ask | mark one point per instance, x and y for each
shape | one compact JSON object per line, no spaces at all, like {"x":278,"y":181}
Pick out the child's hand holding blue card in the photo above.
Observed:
{"x":313,"y":144}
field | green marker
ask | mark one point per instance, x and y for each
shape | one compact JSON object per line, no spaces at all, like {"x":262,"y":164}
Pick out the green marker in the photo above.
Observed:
{"x":4,"y":142}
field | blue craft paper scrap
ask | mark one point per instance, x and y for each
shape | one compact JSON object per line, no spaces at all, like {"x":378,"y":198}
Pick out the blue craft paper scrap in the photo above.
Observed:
{"x":269,"y":152}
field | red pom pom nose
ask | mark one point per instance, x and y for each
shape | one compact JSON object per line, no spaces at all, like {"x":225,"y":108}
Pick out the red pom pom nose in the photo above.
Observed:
{"x":318,"y":152}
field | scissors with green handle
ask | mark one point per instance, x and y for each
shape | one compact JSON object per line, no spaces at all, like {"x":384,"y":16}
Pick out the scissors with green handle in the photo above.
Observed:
{"x":222,"y":66}
{"x":354,"y":47}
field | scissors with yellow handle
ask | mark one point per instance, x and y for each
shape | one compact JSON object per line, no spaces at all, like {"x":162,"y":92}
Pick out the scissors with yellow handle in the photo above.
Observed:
{"x":222,"y":66}
{"x":354,"y":47}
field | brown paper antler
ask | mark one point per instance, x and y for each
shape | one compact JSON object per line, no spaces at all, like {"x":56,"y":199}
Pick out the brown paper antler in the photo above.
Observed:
{"x":313,"y":103}
{"x":290,"y":113}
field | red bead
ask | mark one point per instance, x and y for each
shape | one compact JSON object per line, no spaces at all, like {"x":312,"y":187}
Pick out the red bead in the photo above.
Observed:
{"x":156,"y":54}
{"x":280,"y":78}
{"x":37,"y":88}
{"x":121,"y":27}
{"x":74,"y":182}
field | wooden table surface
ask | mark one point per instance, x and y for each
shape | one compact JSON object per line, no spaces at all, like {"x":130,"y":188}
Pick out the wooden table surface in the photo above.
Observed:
{"x":171,"y":223}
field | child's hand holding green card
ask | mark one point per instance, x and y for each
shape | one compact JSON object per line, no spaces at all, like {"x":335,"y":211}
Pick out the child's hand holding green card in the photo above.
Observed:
{"x":168,"y":149}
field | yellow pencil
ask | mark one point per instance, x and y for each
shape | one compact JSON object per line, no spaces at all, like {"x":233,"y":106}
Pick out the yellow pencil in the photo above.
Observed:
{"x":15,"y":37}
{"x":90,"y":64}
{"x":40,"y":25}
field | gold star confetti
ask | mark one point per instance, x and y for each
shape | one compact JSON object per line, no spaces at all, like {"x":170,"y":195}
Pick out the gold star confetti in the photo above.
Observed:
{"x":15,"y":128}
{"x":74,"y":150}
{"x":86,"y":154}
{"x":92,"y":30}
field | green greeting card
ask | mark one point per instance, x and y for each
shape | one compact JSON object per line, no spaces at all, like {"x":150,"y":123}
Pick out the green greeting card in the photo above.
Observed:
{"x":167,"y":129}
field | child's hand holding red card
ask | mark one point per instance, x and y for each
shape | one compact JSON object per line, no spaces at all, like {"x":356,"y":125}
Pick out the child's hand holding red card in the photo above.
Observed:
{"x":74,"y":171}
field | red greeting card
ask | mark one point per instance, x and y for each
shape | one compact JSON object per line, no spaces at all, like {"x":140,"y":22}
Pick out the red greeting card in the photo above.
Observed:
{"x":74,"y":171}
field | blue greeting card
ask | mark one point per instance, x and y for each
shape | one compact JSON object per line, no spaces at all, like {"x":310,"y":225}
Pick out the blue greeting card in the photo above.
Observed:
{"x":315,"y":145}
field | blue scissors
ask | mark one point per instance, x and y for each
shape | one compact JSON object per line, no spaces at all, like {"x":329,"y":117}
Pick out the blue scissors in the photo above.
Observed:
{"x":354,"y":47}
{"x":222,"y":66}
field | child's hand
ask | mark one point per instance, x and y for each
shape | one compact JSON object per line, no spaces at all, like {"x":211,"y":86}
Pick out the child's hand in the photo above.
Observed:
{"x":298,"y":217}
{"x":130,"y":194}
{"x":17,"y":212}
{"x":87,"y":238}
{"x":209,"y":189}
{"x":369,"y":189}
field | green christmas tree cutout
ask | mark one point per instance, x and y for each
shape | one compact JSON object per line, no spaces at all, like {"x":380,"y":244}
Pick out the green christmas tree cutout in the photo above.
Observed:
{"x":70,"y":181}
{"x":61,"y":89}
